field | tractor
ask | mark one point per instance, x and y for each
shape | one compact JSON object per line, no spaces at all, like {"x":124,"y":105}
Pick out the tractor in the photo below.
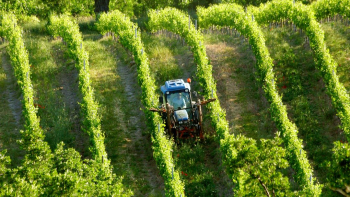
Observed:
{"x":181,"y":115}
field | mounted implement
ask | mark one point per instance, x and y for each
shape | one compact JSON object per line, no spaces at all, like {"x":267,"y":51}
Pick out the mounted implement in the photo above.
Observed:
{"x":182,"y":116}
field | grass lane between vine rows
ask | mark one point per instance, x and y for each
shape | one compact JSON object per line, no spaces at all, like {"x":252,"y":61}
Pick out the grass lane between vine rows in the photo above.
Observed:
{"x":200,"y":163}
{"x":128,"y":144}
{"x":56,"y":89}
{"x":11,"y":121}
{"x":304,"y":92}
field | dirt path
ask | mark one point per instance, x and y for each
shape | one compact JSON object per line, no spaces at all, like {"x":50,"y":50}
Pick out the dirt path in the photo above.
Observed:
{"x":11,"y":112}
{"x":184,"y":63}
{"x":247,"y":109}
{"x":68,"y":80}
{"x":12,"y":95}
{"x":227,"y":87}
{"x":212,"y":156}
{"x":127,"y":141}
{"x":136,"y":123}
{"x":240,"y":96}
{"x":69,"y":88}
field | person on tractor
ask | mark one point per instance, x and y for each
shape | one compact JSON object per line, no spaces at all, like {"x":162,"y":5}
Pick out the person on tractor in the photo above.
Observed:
{"x":182,"y":116}
{"x":179,"y":102}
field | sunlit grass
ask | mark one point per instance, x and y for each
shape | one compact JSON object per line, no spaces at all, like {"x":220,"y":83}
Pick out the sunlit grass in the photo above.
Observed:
{"x":116,"y":110}
{"x":9,"y":128}
{"x":337,"y":38}
{"x":161,"y":51}
{"x":54,"y":114}
{"x":297,"y":80}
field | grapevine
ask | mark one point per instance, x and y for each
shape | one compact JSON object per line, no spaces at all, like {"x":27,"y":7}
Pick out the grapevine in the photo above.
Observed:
{"x":233,"y":15}
{"x":130,"y":38}
{"x":338,"y":173}
{"x":43,"y":172}
{"x":304,"y":18}
{"x":63,"y":26}
{"x":32,"y":136}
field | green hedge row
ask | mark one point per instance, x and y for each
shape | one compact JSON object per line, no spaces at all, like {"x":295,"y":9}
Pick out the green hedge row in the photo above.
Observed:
{"x":68,"y":29}
{"x":325,"y":8}
{"x":304,"y":18}
{"x":178,"y":22}
{"x":338,"y":175}
{"x":42,"y":172}
{"x":233,"y":15}
{"x":33,"y":136}
{"x":130,"y":38}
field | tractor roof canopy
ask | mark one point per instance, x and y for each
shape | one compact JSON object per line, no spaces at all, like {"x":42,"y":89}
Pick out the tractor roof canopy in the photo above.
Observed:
{"x":175,"y":85}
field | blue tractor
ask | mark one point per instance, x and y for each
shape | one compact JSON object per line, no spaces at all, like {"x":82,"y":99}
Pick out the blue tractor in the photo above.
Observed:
{"x":182,"y":115}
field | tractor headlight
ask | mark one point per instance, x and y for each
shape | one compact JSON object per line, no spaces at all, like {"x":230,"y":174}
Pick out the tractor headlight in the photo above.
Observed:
{"x":180,"y":122}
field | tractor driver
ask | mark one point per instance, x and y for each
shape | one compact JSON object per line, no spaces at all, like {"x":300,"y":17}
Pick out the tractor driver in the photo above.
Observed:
{"x":179,"y":102}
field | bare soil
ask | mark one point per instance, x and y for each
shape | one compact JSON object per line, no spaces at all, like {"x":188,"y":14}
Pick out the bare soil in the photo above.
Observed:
{"x":223,"y":72}
{"x":213,"y":161}
{"x":13,"y":97}
{"x":11,"y":117}
{"x":136,"y":124}
{"x":68,"y":80}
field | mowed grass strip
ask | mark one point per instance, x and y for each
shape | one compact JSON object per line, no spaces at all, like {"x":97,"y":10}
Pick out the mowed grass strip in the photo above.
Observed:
{"x":247,"y":109}
{"x":199,"y":163}
{"x":48,"y":64}
{"x":337,"y":38}
{"x":304,"y":93}
{"x":9,"y":127}
{"x":130,"y":155}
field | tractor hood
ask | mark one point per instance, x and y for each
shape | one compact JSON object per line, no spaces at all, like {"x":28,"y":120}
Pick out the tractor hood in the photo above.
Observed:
{"x":174,"y":85}
{"x":181,"y":115}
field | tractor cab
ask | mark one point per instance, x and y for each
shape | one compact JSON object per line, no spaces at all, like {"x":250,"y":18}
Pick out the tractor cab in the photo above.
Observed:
{"x":177,"y":94}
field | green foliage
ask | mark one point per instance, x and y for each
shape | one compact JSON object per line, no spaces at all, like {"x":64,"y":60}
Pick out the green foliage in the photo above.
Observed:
{"x":4,"y":161}
{"x":43,"y":8}
{"x":130,"y":38}
{"x":62,"y":174}
{"x":20,"y":7}
{"x":304,"y":18}
{"x":339,"y":166}
{"x":68,"y":29}
{"x":245,"y":2}
{"x":177,"y":22}
{"x":32,"y":137}
{"x":74,"y":7}
{"x":327,"y":8}
{"x":42,"y":172}
{"x":233,"y":15}
{"x":258,"y":2}
{"x":257,"y":165}
{"x":126,"y":6}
